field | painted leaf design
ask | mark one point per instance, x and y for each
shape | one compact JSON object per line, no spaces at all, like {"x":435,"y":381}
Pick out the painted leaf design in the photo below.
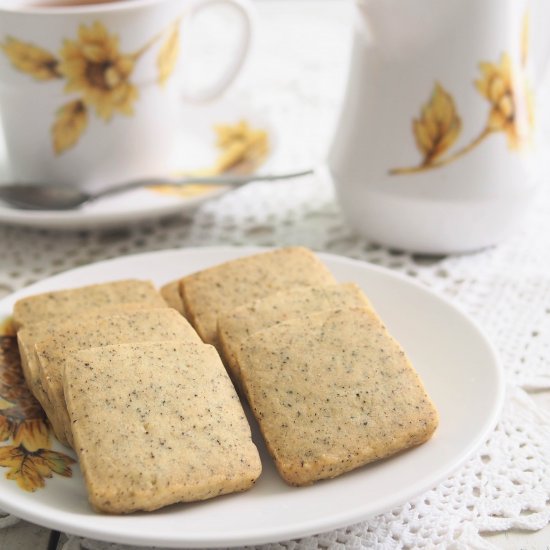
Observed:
{"x":58,"y":463}
{"x":34,"y":434}
{"x":30,"y":59}
{"x":70,"y":122}
{"x":31,"y":469}
{"x":438,"y":126}
{"x":22,"y":470}
{"x":168,"y":55}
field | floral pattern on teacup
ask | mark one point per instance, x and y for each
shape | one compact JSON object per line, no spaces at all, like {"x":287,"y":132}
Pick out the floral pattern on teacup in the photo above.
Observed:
{"x":96,"y":71}
{"x":242,"y":148}
{"x":510,"y":96}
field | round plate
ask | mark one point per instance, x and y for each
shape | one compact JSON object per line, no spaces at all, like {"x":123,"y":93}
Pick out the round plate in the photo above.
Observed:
{"x":198,"y":151}
{"x":456,"y":362}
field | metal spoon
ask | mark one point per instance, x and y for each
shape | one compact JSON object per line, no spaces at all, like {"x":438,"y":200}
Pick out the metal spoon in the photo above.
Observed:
{"x":42,"y":196}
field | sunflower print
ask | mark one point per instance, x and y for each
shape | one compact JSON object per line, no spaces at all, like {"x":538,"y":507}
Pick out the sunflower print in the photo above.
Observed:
{"x":25,"y":447}
{"x":511,"y":112}
{"x":96,"y":73}
{"x":96,"y":70}
{"x":242,"y":148}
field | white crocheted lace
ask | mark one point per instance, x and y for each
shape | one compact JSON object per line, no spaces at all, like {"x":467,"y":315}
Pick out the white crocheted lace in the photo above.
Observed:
{"x":507,"y":483}
{"x":506,"y":289}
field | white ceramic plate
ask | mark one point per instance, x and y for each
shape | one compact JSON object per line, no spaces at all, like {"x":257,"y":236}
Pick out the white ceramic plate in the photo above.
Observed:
{"x":197,"y":151}
{"x":456,"y":362}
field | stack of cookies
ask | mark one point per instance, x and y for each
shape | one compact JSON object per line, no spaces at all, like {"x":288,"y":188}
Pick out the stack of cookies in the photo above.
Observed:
{"x":330,"y":388}
{"x":139,"y":390}
{"x":147,"y":406}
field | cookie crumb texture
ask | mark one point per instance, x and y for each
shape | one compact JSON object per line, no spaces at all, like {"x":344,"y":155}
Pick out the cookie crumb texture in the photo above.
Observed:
{"x":333,"y":391}
{"x":123,"y":327}
{"x":32,"y":333}
{"x":238,"y":324}
{"x":155,"y":424}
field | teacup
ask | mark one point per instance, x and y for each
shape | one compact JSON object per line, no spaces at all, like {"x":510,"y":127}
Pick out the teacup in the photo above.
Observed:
{"x":437,"y":149}
{"x":92,"y":92}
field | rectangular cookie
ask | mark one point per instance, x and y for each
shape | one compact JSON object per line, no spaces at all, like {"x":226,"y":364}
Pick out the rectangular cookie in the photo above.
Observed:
{"x":333,"y":391}
{"x":34,"y":332}
{"x":155,"y":424}
{"x":144,"y":325}
{"x":212,"y":291}
{"x":57,"y":304}
{"x":171,"y":294}
{"x":238,"y":324}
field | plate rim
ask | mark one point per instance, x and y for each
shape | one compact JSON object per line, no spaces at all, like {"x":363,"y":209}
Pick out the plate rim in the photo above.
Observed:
{"x":311,"y":526}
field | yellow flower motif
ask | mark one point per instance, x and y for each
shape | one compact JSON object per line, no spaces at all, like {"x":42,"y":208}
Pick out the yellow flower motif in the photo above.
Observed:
{"x":512,"y":103}
{"x":94,"y":67}
{"x":242,"y":147}
{"x":96,"y":71}
{"x":30,"y":59}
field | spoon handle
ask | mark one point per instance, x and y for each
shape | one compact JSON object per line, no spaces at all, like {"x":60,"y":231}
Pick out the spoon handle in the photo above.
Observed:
{"x":233,"y":181}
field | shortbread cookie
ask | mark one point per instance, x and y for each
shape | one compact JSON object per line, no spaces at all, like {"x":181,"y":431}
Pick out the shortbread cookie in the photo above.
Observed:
{"x":171,"y":294}
{"x":235,"y":326}
{"x":155,"y":424}
{"x":208,"y":293}
{"x":58,"y":304}
{"x":145,"y":325}
{"x":34,"y":332}
{"x":332,"y":391}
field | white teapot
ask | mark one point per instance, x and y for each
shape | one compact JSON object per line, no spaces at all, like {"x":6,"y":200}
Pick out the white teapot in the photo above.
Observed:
{"x":438,"y":147}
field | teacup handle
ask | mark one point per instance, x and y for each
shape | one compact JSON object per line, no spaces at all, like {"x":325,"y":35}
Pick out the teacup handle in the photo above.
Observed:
{"x":230,"y":73}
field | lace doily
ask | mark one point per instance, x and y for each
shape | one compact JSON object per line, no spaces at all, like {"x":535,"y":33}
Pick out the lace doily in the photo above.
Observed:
{"x":507,"y":484}
{"x":490,"y":493}
{"x":506,"y":289}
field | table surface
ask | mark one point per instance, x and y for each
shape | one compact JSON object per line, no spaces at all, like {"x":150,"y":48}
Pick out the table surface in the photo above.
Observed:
{"x":305,"y":97}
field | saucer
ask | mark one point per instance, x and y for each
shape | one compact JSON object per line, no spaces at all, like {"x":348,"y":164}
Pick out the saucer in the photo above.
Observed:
{"x":199,"y":143}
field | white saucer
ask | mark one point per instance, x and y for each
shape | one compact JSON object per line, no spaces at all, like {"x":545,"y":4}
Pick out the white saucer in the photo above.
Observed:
{"x":455,"y":360}
{"x":198,"y":147}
